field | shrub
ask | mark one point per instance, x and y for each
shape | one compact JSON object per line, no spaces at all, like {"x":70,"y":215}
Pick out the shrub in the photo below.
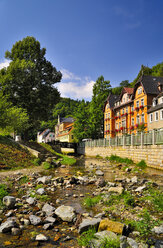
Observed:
{"x":90,"y":202}
{"x":110,"y":243}
{"x":3,"y":192}
{"x":115,"y":158}
{"x":47,"y":165}
{"x":36,"y":161}
{"x":23,"y":180}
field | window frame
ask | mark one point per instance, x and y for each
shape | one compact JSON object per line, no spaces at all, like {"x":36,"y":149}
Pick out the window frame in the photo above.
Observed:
{"x":151,"y":118}
{"x":156,"y":114}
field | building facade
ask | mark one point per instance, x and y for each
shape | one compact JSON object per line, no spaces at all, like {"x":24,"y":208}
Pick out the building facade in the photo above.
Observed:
{"x":128,"y":113}
{"x":64,"y":130}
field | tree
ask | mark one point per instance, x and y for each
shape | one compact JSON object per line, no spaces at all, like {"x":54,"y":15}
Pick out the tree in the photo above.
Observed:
{"x":29,"y":80}
{"x":81,"y":127}
{"x":125,"y":83}
{"x":12,"y":118}
{"x":101,"y":90}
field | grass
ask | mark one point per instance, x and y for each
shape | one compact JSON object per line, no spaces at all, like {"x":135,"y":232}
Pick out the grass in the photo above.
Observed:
{"x":3,"y":192}
{"x":110,"y":243}
{"x":24,"y":180}
{"x":89,"y":202}
{"x":98,"y":156}
{"x":115,"y":158}
{"x":126,"y":197}
{"x":85,"y":237}
{"x":65,"y":159}
{"x":155,"y":196}
{"x":142,"y":164}
{"x":47,"y":165}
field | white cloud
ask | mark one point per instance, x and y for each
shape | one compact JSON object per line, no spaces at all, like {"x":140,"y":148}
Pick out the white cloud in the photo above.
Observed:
{"x":67,"y":75}
{"x":4,"y":64}
{"x":75,"y":90}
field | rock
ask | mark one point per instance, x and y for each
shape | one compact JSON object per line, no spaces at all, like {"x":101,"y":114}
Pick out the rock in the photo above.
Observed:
{"x":49,"y":220}
{"x":40,"y":191}
{"x":7,"y":225}
{"x":87,"y":223}
{"x":66,"y":213}
{"x":99,"y":173}
{"x":31,"y":200}
{"x":16,"y":231}
{"x":118,"y":189}
{"x":35,"y":220}
{"x":66,"y":238}
{"x":158,"y":229}
{"x":9,"y":201}
{"x":159,"y":244}
{"x":49,"y":160}
{"x":41,"y":237}
{"x":100,"y":182}
{"x":100,"y":236}
{"x":134,"y":179}
{"x":9,"y":214}
{"x":140,"y":189}
{"x":132,"y":243}
{"x":123,"y":242}
{"x":48,"y":226}
{"x":100,"y":215}
{"x":58,"y":201}
{"x":112,"y":226}
{"x":63,"y":166}
{"x":26,"y":222}
{"x":44,"y":179}
{"x":48,"y":209}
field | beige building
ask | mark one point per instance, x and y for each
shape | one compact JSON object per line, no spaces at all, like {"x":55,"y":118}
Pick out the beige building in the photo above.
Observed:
{"x":64,"y":130}
{"x":155,"y":113}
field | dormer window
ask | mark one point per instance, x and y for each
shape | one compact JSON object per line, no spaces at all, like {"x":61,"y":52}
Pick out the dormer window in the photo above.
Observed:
{"x":139,"y":90}
{"x":154,"y":102}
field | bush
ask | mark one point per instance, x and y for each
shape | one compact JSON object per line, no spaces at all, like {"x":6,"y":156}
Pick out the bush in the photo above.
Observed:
{"x":110,"y":243}
{"x":90,"y":202}
{"x":47,"y":165}
{"x":36,"y":161}
{"x":3,"y":192}
{"x":115,"y":158}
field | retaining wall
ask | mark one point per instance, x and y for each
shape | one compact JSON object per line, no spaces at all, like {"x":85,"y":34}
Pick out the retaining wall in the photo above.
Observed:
{"x":152,"y":154}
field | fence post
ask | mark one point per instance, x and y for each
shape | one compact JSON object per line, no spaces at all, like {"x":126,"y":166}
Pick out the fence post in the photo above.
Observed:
{"x":123,"y":140}
{"x":132,"y":139}
{"x":153,"y":137}
{"x":142,"y":139}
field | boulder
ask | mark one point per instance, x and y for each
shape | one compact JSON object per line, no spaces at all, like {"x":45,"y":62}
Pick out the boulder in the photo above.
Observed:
{"x":87,"y":223}
{"x":31,"y":200}
{"x":49,"y":220}
{"x":99,"y":173}
{"x":66,"y":213}
{"x":16,"y":231}
{"x":100,"y":182}
{"x":112,"y":226}
{"x":132,"y":243}
{"x":134,"y":179}
{"x":9,"y":201}
{"x":35,"y":220}
{"x":48,"y":226}
{"x":41,"y":237}
{"x":7,"y":225}
{"x":140,"y":189}
{"x":118,"y":189}
{"x":158,"y":229}
{"x":100,"y":236}
{"x":44,"y":179}
{"x":48,"y":209}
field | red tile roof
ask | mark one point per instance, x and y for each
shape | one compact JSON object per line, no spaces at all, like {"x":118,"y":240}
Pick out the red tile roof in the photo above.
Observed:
{"x":129,"y":90}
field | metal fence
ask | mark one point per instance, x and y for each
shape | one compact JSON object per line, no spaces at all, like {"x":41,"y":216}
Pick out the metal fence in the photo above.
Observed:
{"x":154,"y":137}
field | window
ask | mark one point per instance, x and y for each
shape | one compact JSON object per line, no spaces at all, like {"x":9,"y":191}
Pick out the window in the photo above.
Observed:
{"x":161,"y":100}
{"x":139,"y":90}
{"x":106,"y":115}
{"x":151,"y":117}
{"x":132,"y":108}
{"x":142,"y":102}
{"x":132,"y":121}
{"x":109,"y":115}
{"x":116,"y":125}
{"x":137,"y":119}
{"x":156,"y":116}
{"x":123,"y":111}
{"x":123,"y":123}
{"x":137,"y":104}
{"x":161,"y":114}
{"x":72,"y":136}
{"x":142,"y":118}
{"x":109,"y":127}
{"x":106,"y":127}
{"x":126,"y":109}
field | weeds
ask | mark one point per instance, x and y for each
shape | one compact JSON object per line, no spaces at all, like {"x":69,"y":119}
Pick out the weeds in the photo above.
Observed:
{"x":85,"y":237}
{"x":142,"y":164}
{"x":98,"y":156}
{"x":90,"y":202}
{"x":125,"y":196}
{"x":3,"y":192}
{"x":23,"y":180}
{"x":110,"y":243}
{"x":115,"y":158}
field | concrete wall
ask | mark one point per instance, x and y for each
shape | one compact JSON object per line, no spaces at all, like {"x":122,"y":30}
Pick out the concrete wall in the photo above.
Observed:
{"x":152,"y":154}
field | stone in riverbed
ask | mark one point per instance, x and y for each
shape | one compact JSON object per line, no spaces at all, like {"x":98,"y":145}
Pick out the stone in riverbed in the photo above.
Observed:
{"x":66,"y":213}
{"x":112,"y":226}
{"x":41,"y":237}
{"x":87,"y":223}
{"x":48,"y":209}
{"x":16,"y":231}
{"x":35,"y":220}
{"x":44,"y":179}
{"x":49,"y":220}
{"x":118,"y":189}
{"x":9,"y":201}
{"x":140,"y":189}
{"x":40,"y":191}
{"x":99,"y":173}
{"x":100,"y":236}
{"x":48,"y":226}
{"x":158,"y":229}
{"x":7,"y":225}
{"x":31,"y":200}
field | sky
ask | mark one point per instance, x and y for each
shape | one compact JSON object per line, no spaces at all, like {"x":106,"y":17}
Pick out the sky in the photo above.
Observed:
{"x":85,"y":39}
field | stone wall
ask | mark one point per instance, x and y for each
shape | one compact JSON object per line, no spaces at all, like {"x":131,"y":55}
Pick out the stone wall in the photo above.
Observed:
{"x":152,"y":154}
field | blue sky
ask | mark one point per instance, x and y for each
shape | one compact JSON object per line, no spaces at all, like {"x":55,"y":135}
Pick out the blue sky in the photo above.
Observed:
{"x":87,"y":38}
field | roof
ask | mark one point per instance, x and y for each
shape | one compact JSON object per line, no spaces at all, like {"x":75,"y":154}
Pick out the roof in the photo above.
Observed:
{"x":68,"y":119}
{"x":159,"y":95}
{"x":129,"y":90}
{"x":155,"y":108}
{"x":150,"y":84}
{"x":45,"y":132}
{"x":111,"y":99}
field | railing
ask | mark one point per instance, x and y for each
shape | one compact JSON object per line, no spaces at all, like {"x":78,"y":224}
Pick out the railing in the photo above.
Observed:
{"x":154,"y":137}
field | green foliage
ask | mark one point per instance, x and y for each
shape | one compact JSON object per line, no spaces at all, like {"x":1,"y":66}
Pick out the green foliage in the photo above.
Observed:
{"x":145,"y":225}
{"x":85,"y":237}
{"x":36,"y":161}
{"x":126,"y":197}
{"x":38,"y":186}
{"x":98,"y":156}
{"x":115,"y":158}
{"x":155,"y":196}
{"x":142,"y":164}
{"x":29,"y":80}
{"x":101,"y":90}
{"x":65,"y":159}
{"x":47,"y":165}
{"x":110,"y":243}
{"x":90,"y":202}
{"x":24,"y":180}
{"x":3,"y":192}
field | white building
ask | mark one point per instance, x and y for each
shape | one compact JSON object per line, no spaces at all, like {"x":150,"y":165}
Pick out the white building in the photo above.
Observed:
{"x":46,"y":136}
